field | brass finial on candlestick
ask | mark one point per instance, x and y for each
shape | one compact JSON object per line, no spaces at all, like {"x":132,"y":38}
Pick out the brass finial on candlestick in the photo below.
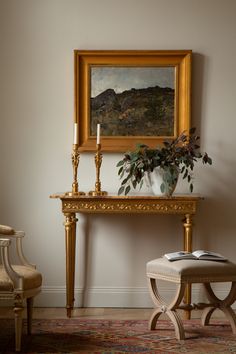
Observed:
{"x":98,"y":162}
{"x":75,"y":163}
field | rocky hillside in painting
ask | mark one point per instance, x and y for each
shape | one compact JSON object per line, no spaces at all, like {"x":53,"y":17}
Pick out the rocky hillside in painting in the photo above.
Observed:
{"x":148,"y":112}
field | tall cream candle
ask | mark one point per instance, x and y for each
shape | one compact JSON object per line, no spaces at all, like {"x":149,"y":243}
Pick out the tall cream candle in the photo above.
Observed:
{"x":75,"y":133}
{"x":98,"y":133}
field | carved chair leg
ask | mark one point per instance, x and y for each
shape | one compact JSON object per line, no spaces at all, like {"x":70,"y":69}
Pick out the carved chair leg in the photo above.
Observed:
{"x":18,"y":309}
{"x":30,"y":302}
{"x":169,"y":309}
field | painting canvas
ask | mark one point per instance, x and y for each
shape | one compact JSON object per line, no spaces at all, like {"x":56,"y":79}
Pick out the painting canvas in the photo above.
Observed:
{"x":137,"y":96}
{"x":133,"y":101}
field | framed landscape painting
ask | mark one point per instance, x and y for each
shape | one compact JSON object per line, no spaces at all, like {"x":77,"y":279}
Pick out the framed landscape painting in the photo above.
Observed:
{"x":135,"y":96}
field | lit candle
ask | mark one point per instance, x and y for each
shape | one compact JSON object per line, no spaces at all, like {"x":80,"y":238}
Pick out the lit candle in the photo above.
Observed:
{"x":98,"y":133}
{"x":75,"y":133}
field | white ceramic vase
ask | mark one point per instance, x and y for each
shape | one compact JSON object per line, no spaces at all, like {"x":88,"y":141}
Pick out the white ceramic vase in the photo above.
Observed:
{"x":160,"y":177}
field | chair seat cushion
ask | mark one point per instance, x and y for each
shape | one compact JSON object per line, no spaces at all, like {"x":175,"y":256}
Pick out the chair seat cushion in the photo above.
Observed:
{"x":191,"y":271}
{"x":32,"y":278}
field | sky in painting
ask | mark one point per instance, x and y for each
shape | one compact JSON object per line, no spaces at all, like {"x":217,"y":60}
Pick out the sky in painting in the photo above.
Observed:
{"x":125,"y":78}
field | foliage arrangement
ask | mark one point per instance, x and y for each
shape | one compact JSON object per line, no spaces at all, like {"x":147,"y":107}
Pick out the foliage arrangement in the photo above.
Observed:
{"x":176,"y":157}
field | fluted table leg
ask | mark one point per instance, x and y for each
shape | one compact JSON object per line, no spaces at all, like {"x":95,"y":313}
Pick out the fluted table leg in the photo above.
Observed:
{"x":188,"y":231}
{"x":70,"y":239}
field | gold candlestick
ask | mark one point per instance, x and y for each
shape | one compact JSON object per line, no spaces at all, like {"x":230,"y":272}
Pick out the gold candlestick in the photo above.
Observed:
{"x":75,"y":163}
{"x":98,"y":162}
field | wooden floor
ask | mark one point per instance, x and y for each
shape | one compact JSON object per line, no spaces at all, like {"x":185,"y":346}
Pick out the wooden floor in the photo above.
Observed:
{"x":91,"y":312}
{"x":98,"y":313}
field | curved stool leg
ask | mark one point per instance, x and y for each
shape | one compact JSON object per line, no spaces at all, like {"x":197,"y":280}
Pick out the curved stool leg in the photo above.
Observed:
{"x":176,"y":320}
{"x":230,"y":315}
{"x":223,"y":305}
{"x":206,"y":315}
{"x":169,"y":309}
{"x":153,"y":319}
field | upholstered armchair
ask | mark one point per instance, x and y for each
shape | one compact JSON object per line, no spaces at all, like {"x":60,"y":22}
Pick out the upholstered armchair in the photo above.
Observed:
{"x":17,"y":282}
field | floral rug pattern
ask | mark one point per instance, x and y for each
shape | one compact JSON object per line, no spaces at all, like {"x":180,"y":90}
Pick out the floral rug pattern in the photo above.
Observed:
{"x":70,"y":336}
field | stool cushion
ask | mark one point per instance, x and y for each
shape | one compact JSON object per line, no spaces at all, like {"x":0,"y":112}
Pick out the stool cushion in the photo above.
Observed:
{"x":31,"y":278}
{"x":191,"y":271}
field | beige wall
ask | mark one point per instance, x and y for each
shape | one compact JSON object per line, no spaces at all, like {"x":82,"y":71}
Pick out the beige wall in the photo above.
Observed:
{"x":37,"y":42}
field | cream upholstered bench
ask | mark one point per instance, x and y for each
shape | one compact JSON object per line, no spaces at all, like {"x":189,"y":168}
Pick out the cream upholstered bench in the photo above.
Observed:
{"x":183,"y":272}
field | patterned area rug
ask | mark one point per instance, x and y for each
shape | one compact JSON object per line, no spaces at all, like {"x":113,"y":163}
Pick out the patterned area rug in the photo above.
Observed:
{"x":107,"y":337}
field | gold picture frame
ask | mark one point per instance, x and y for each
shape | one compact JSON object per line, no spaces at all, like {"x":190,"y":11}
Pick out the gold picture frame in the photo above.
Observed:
{"x":138,"y":96}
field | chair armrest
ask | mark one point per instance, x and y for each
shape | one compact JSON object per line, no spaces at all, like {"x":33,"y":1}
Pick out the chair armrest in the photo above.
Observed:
{"x":18,"y":235}
{"x":6,"y":230}
{"x":15,"y":277}
{"x":14,"y":234}
{"x":20,"y":252}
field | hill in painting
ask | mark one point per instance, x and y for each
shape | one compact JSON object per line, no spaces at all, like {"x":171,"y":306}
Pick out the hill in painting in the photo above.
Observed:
{"x":136,"y":112}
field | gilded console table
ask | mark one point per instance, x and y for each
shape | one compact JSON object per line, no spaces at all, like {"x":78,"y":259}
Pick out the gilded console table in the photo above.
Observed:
{"x":180,"y":204}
